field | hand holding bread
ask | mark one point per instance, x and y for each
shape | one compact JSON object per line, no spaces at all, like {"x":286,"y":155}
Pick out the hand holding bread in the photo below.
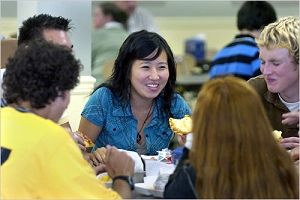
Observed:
{"x":87,"y":141}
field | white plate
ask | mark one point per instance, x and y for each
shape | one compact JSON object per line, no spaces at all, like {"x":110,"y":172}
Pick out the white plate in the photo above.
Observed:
{"x":157,"y":193}
{"x":141,"y":188}
{"x":108,"y":184}
{"x":145,"y":157}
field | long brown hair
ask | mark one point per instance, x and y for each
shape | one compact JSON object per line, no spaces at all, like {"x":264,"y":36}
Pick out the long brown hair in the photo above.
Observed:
{"x":233,"y":150}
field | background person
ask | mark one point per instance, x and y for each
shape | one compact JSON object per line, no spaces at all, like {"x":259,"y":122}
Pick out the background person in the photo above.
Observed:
{"x":55,"y":30}
{"x":279,"y":86}
{"x":233,"y":154}
{"x":240,"y":56}
{"x":139,"y":18}
{"x":42,"y":153}
{"x":132,"y":109}
{"x":110,"y":32}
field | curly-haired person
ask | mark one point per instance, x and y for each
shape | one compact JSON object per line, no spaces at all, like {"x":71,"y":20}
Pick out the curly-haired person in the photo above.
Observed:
{"x":34,"y":147}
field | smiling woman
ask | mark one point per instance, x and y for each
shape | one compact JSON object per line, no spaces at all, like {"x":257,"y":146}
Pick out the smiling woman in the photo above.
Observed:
{"x":132,"y":109}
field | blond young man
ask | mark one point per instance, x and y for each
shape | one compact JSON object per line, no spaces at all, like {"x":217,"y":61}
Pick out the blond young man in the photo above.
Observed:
{"x":279,"y":84}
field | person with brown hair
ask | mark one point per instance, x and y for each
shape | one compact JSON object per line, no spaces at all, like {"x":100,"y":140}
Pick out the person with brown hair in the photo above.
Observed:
{"x":233,"y":153}
{"x":139,"y":18}
{"x":110,"y":31}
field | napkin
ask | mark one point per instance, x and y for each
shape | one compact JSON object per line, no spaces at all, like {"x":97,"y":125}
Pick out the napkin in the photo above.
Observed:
{"x":189,"y":141}
{"x":138,"y":164}
{"x":164,"y":155}
{"x":154,"y":168}
{"x":161,"y":181}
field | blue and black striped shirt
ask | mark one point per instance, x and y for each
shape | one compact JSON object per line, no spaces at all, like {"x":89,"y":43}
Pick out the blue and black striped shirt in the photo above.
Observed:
{"x":240,"y":58}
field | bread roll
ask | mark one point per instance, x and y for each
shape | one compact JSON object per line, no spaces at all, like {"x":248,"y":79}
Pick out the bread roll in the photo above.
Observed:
{"x":277,"y":135}
{"x":181,"y":126}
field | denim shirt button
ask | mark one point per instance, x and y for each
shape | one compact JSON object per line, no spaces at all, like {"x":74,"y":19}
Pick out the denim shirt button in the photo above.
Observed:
{"x":114,"y":129}
{"x":164,"y":133}
{"x":147,"y":135}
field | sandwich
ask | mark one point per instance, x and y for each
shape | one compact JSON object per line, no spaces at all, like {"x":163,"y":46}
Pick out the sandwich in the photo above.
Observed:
{"x":87,"y":141}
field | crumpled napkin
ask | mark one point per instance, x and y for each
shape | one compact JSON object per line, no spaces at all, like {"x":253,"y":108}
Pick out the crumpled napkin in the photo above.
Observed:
{"x":161,"y":181}
{"x":164,"y":155}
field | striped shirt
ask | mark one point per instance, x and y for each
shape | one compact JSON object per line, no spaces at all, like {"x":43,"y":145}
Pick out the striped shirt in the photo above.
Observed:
{"x":239,"y":58}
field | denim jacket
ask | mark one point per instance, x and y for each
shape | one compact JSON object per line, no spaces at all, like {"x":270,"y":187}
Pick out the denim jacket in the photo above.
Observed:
{"x":119,"y":124}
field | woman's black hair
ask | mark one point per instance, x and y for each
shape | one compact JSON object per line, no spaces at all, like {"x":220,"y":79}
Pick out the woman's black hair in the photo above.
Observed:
{"x":138,"y":46}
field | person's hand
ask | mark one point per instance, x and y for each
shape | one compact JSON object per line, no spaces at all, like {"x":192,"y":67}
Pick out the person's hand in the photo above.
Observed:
{"x":290,"y":142}
{"x":295,"y":153}
{"x":291,"y":118}
{"x":297,"y":163}
{"x":98,"y":156}
{"x":99,"y":169}
{"x":118,"y":162}
{"x":77,"y":138}
{"x":181,"y":139}
{"x":86,"y":156}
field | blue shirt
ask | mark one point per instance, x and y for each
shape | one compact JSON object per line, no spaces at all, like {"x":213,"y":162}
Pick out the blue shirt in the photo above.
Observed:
{"x":119,"y":126}
{"x":240,"y":58}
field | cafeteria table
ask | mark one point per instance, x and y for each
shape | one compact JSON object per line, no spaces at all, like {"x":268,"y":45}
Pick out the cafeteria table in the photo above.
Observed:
{"x":191,"y":79}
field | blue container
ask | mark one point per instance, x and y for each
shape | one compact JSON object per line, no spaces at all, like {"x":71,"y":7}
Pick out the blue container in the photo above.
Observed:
{"x":196,"y":47}
{"x":176,"y":155}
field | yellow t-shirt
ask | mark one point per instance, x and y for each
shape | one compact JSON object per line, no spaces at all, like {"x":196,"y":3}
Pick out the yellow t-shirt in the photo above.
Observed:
{"x":41,"y":160}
